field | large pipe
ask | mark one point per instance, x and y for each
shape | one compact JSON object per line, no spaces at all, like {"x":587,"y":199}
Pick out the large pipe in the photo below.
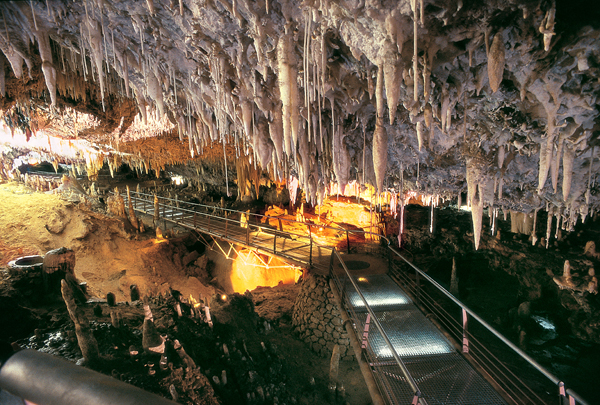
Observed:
{"x":49,"y":380}
{"x":364,"y":367}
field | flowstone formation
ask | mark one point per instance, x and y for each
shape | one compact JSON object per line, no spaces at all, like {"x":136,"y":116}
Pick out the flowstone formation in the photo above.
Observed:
{"x":437,"y":97}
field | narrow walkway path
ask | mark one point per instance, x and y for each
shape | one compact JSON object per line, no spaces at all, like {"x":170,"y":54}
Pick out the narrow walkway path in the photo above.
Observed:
{"x":411,"y":359}
{"x":442,"y":374}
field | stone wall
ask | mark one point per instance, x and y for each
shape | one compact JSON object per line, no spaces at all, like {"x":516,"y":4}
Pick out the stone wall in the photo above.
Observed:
{"x":316,"y":318}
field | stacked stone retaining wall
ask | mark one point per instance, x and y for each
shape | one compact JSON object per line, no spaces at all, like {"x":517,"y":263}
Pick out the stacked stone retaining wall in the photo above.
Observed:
{"x":316,"y":318}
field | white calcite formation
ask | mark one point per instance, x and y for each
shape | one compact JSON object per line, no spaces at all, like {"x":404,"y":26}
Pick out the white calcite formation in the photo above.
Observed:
{"x":341,"y":91}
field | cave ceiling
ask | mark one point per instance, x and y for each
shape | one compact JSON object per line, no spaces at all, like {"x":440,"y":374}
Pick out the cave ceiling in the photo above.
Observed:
{"x":497,"y":99}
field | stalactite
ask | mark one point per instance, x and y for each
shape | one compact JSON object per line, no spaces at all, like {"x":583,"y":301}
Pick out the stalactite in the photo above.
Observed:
{"x":126,"y":74}
{"x":556,"y":163}
{"x":95,"y":40}
{"x":47,"y":66}
{"x":413,"y":5}
{"x":568,"y":159}
{"x":380,"y":153}
{"x":288,"y":89}
{"x":547,"y":26}
{"x":15,"y":60}
{"x":419,"y":130}
{"x":379,"y":92}
{"x":534,"y":237}
{"x":392,"y":72}
{"x":276,"y":133}
{"x":496,"y":58}
{"x":2,"y":78}
{"x":589,"y":186}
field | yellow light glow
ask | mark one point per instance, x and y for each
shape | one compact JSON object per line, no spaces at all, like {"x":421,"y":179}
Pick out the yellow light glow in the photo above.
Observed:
{"x":363,"y":280}
{"x":195,"y":303}
{"x":251,"y":270}
{"x":223,"y":297}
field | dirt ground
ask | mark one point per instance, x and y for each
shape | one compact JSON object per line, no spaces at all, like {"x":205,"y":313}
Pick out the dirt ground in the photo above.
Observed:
{"x":108,"y":259}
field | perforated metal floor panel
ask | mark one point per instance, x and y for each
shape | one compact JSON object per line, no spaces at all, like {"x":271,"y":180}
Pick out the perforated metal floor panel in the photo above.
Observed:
{"x":410,"y":332}
{"x":446,"y":379}
{"x":380,"y":291}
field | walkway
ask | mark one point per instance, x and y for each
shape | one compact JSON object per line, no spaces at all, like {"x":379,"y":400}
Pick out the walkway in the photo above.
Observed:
{"x":417,"y":349}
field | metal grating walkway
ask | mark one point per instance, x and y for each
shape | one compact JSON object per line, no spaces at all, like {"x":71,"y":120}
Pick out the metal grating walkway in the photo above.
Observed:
{"x":442,"y":374}
{"x":424,"y":356}
{"x":410,"y":332}
{"x":380,"y":292}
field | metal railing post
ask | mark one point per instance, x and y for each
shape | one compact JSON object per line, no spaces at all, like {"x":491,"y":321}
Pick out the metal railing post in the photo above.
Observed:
{"x":417,"y":287}
{"x":562,"y":395}
{"x":194,"y":219}
{"x":274,"y":243}
{"x":465,"y":340}
{"x":347,"y":242}
{"x":248,"y":233}
{"x":310,"y":255}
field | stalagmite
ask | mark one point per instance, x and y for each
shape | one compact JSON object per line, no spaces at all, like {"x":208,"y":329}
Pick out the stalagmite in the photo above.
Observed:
{"x":380,"y":153}
{"x":334,"y":366}
{"x":454,"y":279}
{"x":85,"y":336}
{"x":496,"y":62}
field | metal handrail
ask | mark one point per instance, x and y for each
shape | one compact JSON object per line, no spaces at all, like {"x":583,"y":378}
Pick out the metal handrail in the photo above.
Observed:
{"x":403,"y":368}
{"x":555,"y":380}
{"x":213,"y":207}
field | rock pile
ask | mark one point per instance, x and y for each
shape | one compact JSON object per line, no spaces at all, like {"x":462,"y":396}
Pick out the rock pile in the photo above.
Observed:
{"x":316,"y":318}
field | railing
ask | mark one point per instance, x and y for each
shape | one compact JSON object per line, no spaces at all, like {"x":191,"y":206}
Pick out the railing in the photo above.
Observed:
{"x":239,"y":226}
{"x":483,"y":345}
{"x":479,"y":342}
{"x":396,"y":397}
